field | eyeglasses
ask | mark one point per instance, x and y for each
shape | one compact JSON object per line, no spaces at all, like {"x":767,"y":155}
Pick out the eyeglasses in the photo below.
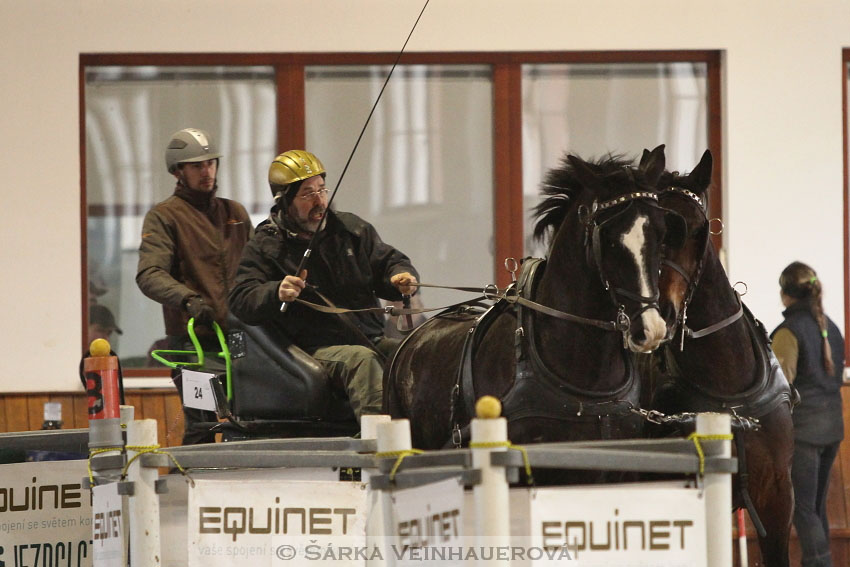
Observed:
{"x":321,"y":193}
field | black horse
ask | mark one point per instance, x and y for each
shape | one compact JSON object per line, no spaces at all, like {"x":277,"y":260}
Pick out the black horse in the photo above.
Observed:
{"x":555,"y":348}
{"x":720,"y":360}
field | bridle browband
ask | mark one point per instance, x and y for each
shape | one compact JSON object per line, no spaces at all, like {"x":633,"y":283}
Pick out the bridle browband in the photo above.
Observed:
{"x":693,"y":280}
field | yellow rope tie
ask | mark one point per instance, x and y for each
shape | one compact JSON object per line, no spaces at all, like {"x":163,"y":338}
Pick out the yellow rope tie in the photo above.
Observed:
{"x":696,"y":438}
{"x":149,"y":449}
{"x":509,"y":445}
{"x":94,"y":452}
{"x":401,"y":456}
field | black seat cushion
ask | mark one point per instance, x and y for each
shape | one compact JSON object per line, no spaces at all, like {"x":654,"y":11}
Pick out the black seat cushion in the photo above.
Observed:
{"x":274,"y":379}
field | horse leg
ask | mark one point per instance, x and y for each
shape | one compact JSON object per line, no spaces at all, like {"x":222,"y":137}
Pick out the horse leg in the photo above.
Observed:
{"x":776,"y":518}
{"x":769,"y":453}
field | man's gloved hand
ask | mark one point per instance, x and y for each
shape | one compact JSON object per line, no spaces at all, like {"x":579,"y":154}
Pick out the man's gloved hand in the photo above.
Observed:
{"x":202,"y":312}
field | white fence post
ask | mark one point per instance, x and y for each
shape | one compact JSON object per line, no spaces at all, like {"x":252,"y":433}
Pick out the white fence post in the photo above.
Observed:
{"x":144,"y":503}
{"x":393,"y":437}
{"x":375,"y":521}
{"x":492,"y":512}
{"x":718,"y":491}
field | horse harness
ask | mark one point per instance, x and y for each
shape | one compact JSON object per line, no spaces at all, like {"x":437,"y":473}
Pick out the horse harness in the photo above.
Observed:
{"x":768,"y":392}
{"x":536,"y":390}
{"x":771,"y":390}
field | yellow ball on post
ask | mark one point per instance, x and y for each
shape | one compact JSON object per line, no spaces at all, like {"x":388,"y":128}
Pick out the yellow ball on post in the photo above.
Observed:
{"x":488,"y":407}
{"x":100,"y":347}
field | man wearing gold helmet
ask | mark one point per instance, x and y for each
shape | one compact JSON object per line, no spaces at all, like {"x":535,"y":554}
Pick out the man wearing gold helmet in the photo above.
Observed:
{"x":349,"y":267}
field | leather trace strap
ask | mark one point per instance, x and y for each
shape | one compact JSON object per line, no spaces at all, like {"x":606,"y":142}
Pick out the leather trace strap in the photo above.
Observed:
{"x":691,"y":334}
{"x":621,"y":324}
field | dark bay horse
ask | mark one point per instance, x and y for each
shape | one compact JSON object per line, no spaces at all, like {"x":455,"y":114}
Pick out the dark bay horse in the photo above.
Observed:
{"x":556,"y":350}
{"x":720,"y":360}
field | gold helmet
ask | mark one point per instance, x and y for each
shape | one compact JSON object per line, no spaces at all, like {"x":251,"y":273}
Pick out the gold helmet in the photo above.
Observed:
{"x":291,"y":167}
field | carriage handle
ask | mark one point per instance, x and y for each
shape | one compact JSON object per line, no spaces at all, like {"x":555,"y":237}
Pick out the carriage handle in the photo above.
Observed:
{"x":198,"y":353}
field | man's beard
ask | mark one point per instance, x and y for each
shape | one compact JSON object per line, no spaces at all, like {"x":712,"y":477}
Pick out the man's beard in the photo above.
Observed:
{"x":311,"y":223}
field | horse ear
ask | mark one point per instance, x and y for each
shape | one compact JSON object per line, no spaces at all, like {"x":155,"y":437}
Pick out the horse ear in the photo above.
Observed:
{"x":700,"y":177}
{"x":652,"y":164}
{"x":644,"y":158}
{"x":585,"y":175}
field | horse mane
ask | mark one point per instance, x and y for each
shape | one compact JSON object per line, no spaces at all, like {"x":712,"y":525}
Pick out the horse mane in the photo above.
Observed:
{"x":561,"y":188}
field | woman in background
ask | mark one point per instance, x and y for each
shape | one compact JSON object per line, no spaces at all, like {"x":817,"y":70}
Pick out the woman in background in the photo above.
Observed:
{"x":811,"y":350}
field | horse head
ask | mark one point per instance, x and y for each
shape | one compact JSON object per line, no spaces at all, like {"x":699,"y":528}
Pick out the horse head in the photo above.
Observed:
{"x":623,"y":231}
{"x":684,"y":195}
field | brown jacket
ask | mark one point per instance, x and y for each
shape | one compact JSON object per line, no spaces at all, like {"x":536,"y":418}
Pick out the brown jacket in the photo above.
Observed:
{"x":191,"y":245}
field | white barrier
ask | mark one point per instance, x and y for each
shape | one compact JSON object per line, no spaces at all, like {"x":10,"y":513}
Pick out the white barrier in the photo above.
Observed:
{"x":393,"y":441}
{"x":288,"y":463}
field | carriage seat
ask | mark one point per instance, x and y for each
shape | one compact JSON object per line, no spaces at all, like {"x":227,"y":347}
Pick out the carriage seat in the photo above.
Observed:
{"x":273,"y":379}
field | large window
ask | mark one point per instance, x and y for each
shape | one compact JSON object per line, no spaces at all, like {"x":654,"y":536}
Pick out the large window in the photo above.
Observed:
{"x":446,"y":170}
{"x":594,"y":109}
{"x":422,"y":173}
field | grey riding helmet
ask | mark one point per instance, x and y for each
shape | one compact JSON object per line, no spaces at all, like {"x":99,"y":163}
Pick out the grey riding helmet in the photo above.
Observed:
{"x":189,"y":145}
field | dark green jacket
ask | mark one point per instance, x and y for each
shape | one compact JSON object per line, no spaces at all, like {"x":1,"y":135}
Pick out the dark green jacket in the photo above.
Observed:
{"x":349,"y":264}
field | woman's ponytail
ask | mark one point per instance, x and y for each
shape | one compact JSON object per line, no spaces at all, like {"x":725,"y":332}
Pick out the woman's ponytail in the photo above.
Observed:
{"x":800,"y":282}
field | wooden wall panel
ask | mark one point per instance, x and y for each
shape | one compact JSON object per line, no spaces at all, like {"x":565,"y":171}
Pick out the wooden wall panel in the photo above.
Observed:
{"x":3,"y":426}
{"x":843,"y":459}
{"x":25,"y":412}
{"x":35,"y":411}
{"x":135,"y":400}
{"x":17,"y":412}
{"x":81,"y":411}
{"x":68,"y":416}
{"x":173,"y":421}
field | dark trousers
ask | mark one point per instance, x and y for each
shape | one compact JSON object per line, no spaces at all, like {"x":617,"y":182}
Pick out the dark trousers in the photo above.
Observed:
{"x":194,"y":430}
{"x":810,"y":470}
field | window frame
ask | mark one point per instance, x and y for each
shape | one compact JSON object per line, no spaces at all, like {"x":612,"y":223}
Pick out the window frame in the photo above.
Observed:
{"x":507,"y":123}
{"x":845,"y":126}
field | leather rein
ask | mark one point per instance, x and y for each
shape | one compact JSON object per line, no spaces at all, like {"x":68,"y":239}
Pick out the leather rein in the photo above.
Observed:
{"x":588,"y":217}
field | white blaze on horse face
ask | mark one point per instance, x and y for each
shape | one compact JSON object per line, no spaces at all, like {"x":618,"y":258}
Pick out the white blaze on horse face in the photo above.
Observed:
{"x":654,"y":328}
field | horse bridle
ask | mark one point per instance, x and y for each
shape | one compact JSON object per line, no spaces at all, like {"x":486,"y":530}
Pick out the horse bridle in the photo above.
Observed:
{"x":589,"y":218}
{"x":693,"y":280}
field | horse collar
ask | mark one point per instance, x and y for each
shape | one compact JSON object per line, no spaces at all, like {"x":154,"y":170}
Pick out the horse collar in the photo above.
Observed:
{"x":769,"y":391}
{"x":559,"y":399}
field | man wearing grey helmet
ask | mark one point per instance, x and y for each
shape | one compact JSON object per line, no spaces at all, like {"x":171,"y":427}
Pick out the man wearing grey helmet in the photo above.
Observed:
{"x":190,"y":249}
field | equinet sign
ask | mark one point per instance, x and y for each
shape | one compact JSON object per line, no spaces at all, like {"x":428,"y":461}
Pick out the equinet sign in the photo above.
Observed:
{"x":624,"y":525}
{"x":244,"y":523}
